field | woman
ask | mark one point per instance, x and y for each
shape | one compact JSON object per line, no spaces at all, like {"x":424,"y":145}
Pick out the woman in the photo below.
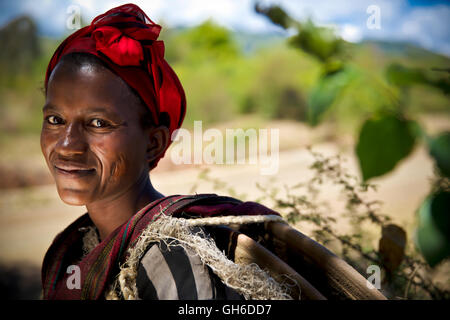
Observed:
{"x":112,"y":105}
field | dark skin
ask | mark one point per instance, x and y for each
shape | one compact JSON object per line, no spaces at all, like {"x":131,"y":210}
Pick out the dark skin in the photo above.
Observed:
{"x":95,"y":145}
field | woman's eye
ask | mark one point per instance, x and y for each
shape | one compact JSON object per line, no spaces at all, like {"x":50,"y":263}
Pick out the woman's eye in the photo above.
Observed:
{"x":99,"y":123}
{"x":54,"y":120}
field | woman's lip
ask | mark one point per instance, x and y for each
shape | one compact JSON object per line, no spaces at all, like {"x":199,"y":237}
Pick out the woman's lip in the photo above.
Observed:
{"x":74,"y":171}
{"x":72,"y":168}
{"x":71,"y":165}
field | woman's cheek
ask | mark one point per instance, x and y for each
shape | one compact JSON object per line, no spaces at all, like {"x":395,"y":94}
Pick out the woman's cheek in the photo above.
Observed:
{"x":46,"y":146}
{"x":118,"y":168}
{"x":44,"y":141}
{"x":119,"y":157}
{"x":113,"y":155}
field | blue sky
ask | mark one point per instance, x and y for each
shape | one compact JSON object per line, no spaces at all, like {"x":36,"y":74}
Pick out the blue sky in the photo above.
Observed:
{"x":423,"y":22}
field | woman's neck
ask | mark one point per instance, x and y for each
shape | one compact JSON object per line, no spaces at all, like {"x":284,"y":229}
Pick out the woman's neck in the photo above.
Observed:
{"x":109,"y":214}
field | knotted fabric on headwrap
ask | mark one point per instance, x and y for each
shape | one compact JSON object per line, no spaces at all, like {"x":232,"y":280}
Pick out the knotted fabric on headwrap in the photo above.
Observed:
{"x":125,"y":39}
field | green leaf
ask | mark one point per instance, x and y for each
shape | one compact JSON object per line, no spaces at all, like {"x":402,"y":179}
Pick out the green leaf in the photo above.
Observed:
{"x":433,"y":234}
{"x":384,"y":140}
{"x":327,"y":90}
{"x":276,"y":14}
{"x":403,"y":77}
{"x":320,"y":42}
{"x":332,"y":66}
{"x":440,"y":150}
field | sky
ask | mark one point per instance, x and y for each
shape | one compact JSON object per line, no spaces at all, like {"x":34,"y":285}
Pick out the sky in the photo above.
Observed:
{"x":425,"y":23}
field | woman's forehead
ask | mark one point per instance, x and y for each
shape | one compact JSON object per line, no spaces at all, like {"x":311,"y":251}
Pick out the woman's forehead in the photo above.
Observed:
{"x":90,"y":86}
{"x":88,"y":73}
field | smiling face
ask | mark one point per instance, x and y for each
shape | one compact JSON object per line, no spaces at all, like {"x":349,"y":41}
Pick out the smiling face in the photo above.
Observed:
{"x":92,"y":138}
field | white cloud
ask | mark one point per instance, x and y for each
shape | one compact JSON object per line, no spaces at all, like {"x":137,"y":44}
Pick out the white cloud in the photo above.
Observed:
{"x":325,"y":11}
{"x":426,"y":26}
{"x":234,"y":14}
{"x":41,"y":11}
{"x":350,"y":33}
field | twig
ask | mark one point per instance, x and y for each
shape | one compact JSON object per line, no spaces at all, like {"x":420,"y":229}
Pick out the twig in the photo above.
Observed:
{"x":409,"y":282}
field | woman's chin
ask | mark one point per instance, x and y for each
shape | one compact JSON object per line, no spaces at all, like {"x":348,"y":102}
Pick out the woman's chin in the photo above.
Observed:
{"x":73,"y":197}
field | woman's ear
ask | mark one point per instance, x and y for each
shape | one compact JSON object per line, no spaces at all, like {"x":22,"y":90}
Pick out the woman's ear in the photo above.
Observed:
{"x":158,"y":139}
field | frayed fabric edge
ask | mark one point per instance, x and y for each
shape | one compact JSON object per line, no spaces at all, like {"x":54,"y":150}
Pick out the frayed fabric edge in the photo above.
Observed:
{"x":249,"y":280}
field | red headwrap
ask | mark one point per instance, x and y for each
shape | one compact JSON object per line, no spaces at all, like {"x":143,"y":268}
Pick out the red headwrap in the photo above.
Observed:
{"x":125,"y":39}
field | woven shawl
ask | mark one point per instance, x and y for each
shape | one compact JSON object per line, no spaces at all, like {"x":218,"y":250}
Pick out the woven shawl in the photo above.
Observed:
{"x":99,"y":267}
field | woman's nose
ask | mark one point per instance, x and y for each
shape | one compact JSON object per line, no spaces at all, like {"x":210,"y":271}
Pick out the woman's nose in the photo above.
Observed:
{"x":72,"y":142}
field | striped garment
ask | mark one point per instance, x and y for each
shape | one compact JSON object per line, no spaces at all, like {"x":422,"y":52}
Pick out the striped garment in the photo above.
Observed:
{"x":177,"y":273}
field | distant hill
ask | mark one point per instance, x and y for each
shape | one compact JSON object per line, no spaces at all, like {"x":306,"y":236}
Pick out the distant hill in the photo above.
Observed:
{"x":403,"y":48}
{"x":408,"y":53}
{"x":394,"y":49}
{"x":250,"y":42}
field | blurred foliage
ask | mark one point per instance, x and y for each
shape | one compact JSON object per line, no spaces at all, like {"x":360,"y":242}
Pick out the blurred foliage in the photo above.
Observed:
{"x":320,"y":42}
{"x":403,"y":77}
{"x":261,"y":82}
{"x":207,"y":42}
{"x":276,"y":14}
{"x":433,"y":236}
{"x":328,"y":89}
{"x":383,"y":141}
{"x":23,"y":61}
{"x":388,"y":134}
{"x":440,"y":151}
{"x":20,"y":39}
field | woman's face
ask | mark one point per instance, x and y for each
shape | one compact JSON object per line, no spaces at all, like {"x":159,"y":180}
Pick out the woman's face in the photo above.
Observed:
{"x":91,"y":138}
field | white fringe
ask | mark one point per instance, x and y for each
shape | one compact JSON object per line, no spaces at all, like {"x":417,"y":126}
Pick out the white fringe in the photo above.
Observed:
{"x":249,"y":280}
{"x":90,"y":239}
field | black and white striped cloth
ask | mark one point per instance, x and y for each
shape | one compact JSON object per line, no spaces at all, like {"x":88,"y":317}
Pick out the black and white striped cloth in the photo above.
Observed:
{"x":174,"y":274}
